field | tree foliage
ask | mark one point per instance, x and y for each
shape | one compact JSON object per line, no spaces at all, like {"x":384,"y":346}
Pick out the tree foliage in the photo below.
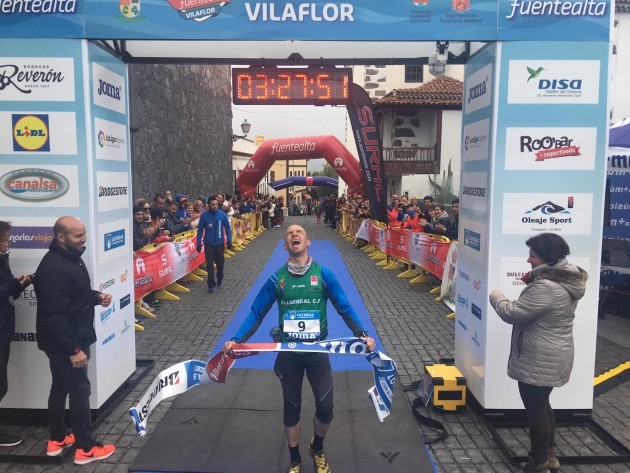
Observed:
{"x":442,"y":191}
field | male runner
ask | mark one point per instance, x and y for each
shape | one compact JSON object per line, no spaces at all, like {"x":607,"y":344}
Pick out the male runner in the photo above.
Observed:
{"x":302,"y":288}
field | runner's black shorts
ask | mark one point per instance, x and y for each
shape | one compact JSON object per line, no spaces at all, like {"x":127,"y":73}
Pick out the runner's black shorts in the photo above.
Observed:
{"x":290,"y":368}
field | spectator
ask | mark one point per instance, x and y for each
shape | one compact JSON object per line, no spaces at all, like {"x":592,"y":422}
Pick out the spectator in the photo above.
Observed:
{"x":440,"y":218}
{"x":65,"y":331}
{"x":10,"y":289}
{"x":181,"y":209}
{"x":168,"y":196}
{"x":215,"y":230}
{"x":318,"y":212}
{"x":453,"y":230}
{"x":542,"y":351}
{"x":159,"y":200}
{"x":172,"y":223}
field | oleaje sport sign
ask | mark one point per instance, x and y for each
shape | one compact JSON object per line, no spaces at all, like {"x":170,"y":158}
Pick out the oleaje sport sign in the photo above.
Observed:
{"x":153,"y":270}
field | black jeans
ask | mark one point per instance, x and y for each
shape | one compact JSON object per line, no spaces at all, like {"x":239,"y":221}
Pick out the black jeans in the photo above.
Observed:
{"x":540,"y":418}
{"x":214,"y":254}
{"x":4,"y":362}
{"x":73,"y":383}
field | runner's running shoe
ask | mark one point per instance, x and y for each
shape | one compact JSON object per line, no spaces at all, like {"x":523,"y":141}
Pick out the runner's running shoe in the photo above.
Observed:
{"x":295,"y":468}
{"x":97,"y":452}
{"x":319,"y":459}
{"x":54,"y":448}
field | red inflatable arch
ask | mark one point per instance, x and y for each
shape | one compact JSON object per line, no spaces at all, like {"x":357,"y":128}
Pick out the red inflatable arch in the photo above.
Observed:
{"x":304,"y":147}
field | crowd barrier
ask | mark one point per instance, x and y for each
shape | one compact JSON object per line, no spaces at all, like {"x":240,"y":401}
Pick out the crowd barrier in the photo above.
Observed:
{"x":158,"y":267}
{"x":421,"y":257}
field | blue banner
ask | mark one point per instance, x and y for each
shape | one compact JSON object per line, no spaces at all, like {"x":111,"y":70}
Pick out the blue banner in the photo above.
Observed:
{"x":365,"y":20}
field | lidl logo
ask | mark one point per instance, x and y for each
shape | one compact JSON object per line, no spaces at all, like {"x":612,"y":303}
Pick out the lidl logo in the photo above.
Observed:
{"x":30,"y":133}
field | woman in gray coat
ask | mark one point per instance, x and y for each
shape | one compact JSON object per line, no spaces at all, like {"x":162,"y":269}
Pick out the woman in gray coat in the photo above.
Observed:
{"x":541,"y":354}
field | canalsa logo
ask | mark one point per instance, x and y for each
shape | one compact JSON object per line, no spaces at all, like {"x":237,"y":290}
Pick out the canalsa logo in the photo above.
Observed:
{"x":30,"y":133}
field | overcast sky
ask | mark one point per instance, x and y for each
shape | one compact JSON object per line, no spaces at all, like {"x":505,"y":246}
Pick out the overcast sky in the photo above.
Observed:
{"x":285,"y":121}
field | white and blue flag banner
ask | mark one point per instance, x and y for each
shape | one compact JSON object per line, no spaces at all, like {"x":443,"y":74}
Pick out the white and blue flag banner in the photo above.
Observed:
{"x":175,"y":380}
{"x":181,"y":377}
{"x":384,"y":367}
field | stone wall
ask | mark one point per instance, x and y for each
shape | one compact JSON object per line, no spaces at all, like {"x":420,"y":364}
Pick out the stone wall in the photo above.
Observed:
{"x":181,"y":129}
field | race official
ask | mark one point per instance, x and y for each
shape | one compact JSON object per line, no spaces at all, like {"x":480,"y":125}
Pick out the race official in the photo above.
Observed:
{"x":215,"y":230}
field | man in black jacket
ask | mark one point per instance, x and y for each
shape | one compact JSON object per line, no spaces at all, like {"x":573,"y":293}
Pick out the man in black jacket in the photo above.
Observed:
{"x":65,"y":331}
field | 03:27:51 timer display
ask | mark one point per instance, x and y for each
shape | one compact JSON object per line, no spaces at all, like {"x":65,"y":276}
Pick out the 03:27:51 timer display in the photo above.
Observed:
{"x":291,"y":86}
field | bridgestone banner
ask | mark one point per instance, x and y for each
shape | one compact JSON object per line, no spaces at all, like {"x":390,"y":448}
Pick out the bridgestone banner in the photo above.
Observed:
{"x":370,"y":148}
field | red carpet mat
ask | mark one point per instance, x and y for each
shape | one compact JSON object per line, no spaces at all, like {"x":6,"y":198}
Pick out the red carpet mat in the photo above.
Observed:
{"x":237,"y":428}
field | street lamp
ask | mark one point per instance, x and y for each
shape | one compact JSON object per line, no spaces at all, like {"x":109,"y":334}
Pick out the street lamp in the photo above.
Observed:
{"x":245,"y":126}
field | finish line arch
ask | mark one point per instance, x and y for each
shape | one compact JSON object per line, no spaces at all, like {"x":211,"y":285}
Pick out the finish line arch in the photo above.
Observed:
{"x":327,"y":147}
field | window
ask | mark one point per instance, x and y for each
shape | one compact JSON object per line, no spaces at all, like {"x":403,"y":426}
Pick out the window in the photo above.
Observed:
{"x":413,"y":73}
{"x":272,"y":176}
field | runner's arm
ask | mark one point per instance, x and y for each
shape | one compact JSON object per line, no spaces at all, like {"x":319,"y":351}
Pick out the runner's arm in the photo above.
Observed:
{"x":261,"y":305}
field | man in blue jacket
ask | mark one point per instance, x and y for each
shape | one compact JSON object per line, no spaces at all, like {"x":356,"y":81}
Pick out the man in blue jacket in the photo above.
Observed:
{"x":212,"y":225}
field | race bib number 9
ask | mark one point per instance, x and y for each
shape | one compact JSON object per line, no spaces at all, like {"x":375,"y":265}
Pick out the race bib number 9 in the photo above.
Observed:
{"x":301,"y":325}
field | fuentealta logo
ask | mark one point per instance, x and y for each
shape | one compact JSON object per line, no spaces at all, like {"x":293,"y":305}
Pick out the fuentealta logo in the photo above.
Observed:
{"x":198,"y":10}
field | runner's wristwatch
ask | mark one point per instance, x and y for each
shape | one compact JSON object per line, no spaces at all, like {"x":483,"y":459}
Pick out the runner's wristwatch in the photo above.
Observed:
{"x":362,"y":334}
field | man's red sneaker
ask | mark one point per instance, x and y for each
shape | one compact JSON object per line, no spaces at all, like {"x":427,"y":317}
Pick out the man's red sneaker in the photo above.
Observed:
{"x":98,"y":452}
{"x":55,"y":448}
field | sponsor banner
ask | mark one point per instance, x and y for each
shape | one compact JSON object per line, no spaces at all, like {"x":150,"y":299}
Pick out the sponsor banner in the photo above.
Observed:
{"x":46,"y":19}
{"x":579,"y":20}
{"x":398,"y":243}
{"x":363,"y":231}
{"x":428,"y":253}
{"x":114,"y":240}
{"x":618,"y":160}
{"x":108,"y":89}
{"x":367,"y":136}
{"x":377,"y":231}
{"x":258,"y":21}
{"x":110,"y":140}
{"x":473,"y":244}
{"x":30,"y":238}
{"x":618,"y":186}
{"x":41,"y":79}
{"x":174,"y":380}
{"x":553,"y":82}
{"x":164,"y":265}
{"x":448,"y":288}
{"x":419,"y":248}
{"x":478,"y":90}
{"x":474,"y":191}
{"x":46,"y":186}
{"x":548,"y":149}
{"x":40,"y":133}
{"x":476,"y":141}
{"x":562,"y":213}
{"x":112,"y":191}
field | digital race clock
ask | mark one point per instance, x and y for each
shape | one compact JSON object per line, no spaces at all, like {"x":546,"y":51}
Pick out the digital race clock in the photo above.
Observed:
{"x":290,"y":86}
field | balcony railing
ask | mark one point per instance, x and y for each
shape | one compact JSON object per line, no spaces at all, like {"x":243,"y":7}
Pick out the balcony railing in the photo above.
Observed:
{"x":416,"y":160}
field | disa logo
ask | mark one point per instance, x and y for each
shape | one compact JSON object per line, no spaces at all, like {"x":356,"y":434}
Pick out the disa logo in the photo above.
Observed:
{"x":198,"y":10}
{"x":30,"y":133}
